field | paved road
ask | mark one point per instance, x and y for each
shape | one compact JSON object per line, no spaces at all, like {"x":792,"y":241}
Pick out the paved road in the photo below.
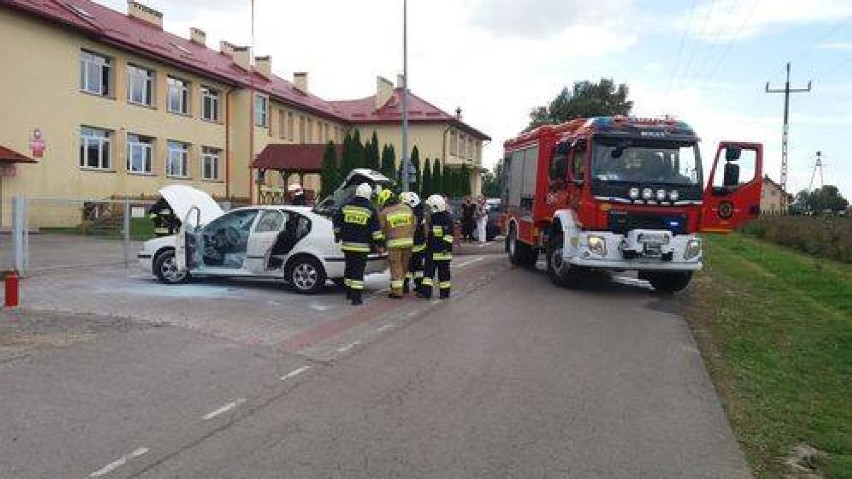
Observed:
{"x":511,"y":378}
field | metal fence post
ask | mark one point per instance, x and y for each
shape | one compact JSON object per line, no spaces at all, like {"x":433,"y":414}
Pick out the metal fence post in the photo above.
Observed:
{"x":19,"y":213}
{"x":126,"y":233}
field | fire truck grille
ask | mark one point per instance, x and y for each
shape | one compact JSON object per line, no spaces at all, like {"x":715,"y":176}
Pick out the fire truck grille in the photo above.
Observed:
{"x":621,"y":222}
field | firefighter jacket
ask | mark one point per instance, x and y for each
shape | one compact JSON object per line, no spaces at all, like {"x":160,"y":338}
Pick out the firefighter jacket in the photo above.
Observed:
{"x":439,"y":236}
{"x":397,"y":221}
{"x":419,"y":229}
{"x":356,"y":226}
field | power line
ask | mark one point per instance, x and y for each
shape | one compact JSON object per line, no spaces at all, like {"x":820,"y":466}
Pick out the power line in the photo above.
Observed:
{"x":733,"y":37}
{"x":698,"y":38}
{"x":715,"y":42}
{"x":680,"y":47}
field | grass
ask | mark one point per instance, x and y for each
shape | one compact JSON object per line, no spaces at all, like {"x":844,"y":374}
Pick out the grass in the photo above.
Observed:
{"x":775,"y":328}
{"x":826,"y":236}
{"x":140,"y":229}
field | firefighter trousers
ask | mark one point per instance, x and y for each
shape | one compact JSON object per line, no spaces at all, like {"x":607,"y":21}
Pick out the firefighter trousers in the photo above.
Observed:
{"x":398,"y":262}
{"x":353,"y":274}
{"x":415,"y":271}
{"x":442,"y":268}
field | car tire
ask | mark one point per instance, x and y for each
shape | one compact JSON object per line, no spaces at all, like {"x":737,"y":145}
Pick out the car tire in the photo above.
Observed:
{"x":306,"y":275}
{"x":560,"y":274}
{"x":520,"y":253}
{"x":165,"y":269}
{"x":669,"y":282}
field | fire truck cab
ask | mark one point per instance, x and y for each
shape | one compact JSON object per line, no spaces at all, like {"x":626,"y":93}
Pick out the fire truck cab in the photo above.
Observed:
{"x":621,"y":194}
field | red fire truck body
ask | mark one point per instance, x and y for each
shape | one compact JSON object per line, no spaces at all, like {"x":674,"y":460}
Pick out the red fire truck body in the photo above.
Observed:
{"x":619,"y":193}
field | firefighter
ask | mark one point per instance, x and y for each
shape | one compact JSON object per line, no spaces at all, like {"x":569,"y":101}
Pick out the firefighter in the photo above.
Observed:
{"x":415,"y":263}
{"x":397,"y":222}
{"x":165,"y":222}
{"x":356,"y":227}
{"x":439,"y":248}
{"x":297,"y":195}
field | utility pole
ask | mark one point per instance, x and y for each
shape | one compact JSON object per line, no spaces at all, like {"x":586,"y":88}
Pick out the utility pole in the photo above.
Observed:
{"x":404,"y":166}
{"x":817,"y":166}
{"x":786,"y":91}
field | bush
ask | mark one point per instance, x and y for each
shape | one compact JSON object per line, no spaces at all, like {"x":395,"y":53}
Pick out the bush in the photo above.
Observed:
{"x":825,"y":236}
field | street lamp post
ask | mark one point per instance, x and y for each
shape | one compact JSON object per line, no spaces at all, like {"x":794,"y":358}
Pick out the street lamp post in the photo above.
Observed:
{"x":404,"y":161}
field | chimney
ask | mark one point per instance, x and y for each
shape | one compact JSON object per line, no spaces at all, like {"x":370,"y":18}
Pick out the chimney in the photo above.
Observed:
{"x":300,"y":81}
{"x":242,"y":57}
{"x":197,"y":35}
{"x":226,"y":48}
{"x":384,"y":90}
{"x":263,"y":65}
{"x":144,"y":13}
{"x":458,"y":113}
{"x":400,"y":80}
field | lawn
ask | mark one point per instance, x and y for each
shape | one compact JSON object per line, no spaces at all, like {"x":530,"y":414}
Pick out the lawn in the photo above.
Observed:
{"x":775,"y":328}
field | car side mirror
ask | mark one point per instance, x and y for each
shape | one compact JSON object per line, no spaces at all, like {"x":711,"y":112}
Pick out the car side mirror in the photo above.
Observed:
{"x":732,"y":174}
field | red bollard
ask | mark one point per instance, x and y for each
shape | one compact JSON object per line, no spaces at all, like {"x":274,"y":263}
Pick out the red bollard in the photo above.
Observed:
{"x":12,"y":289}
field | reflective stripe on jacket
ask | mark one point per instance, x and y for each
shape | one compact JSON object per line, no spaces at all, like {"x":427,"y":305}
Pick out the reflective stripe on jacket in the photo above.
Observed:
{"x":439,"y":236}
{"x":397,"y":223}
{"x":356,"y":225}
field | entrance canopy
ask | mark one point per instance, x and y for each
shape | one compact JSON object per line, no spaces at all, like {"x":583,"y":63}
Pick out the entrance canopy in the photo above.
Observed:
{"x":293,"y":158}
{"x":11,"y":156}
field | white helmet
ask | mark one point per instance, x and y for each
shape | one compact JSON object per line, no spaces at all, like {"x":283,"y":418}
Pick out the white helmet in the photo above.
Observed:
{"x":410,"y":198}
{"x":364,"y":191}
{"x":436,"y":203}
{"x":294,"y":188}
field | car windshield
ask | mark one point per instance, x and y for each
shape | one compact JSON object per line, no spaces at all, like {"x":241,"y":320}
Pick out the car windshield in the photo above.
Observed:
{"x":642,"y":161}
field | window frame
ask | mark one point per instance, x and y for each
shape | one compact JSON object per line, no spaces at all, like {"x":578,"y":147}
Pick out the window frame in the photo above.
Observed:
{"x":261,"y":116}
{"x":135,"y":141}
{"x":104,"y":145}
{"x":213,"y":155}
{"x":183,"y":161}
{"x":148,"y":85}
{"x":184,"y":89}
{"x":90,"y":58}
{"x":212,"y":95}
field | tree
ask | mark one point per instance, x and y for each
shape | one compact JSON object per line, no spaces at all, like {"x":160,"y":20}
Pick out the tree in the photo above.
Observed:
{"x":348,"y":160}
{"x":465,"y":180}
{"x":371,"y":152}
{"x":437,"y":178}
{"x":387,"y":161}
{"x":358,"y":160}
{"x":491,"y":182}
{"x":414,"y":159}
{"x":586,"y":99}
{"x":825,"y":199}
{"x":426,"y":186}
{"x":328,"y":176}
{"x":417,"y":186}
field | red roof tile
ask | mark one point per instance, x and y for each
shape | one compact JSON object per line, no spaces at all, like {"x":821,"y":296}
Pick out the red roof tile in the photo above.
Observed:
{"x":11,"y":156}
{"x":295,"y":158}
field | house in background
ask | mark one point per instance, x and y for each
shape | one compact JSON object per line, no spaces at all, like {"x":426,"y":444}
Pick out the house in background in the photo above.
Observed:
{"x":125,"y":108}
{"x":773,"y":199}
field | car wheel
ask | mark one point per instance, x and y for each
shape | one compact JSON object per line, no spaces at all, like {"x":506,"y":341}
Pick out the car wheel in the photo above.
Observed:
{"x":306,"y":275}
{"x":166,"y":269}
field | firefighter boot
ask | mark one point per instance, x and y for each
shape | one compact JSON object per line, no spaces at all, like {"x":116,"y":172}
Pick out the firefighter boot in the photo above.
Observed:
{"x":356,"y":297}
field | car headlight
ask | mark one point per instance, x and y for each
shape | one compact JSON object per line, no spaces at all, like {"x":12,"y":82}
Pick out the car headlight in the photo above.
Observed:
{"x":647,"y":193}
{"x":661,"y":195}
{"x":597,"y":245}
{"x":693,"y":249}
{"x":674,"y":195}
{"x":634,"y":193}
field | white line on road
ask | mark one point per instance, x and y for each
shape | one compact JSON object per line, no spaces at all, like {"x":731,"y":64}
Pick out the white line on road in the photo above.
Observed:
{"x":386,"y":326}
{"x":295,"y":373}
{"x":349,"y":346}
{"x":462,"y":265}
{"x":223,"y":409}
{"x":119,"y":462}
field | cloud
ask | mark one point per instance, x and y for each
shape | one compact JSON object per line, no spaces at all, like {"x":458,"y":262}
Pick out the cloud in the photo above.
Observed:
{"x":546,"y":18}
{"x":835,"y":46}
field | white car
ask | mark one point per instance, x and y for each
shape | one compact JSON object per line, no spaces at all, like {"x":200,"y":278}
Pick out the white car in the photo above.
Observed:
{"x":290,"y":243}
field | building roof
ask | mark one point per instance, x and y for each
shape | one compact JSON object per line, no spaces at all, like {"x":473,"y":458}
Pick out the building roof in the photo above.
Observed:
{"x":128,"y":33}
{"x":364,"y":111}
{"x":11,"y":156}
{"x":293,"y":158}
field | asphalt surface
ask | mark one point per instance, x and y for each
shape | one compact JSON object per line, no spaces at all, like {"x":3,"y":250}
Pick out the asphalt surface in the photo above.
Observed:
{"x":510,"y":378}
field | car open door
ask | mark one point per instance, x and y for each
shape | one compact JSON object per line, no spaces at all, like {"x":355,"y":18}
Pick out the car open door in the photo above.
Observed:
{"x":732,"y":195}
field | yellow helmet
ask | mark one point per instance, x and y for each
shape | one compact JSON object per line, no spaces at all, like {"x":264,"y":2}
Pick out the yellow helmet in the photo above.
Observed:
{"x":383,"y":197}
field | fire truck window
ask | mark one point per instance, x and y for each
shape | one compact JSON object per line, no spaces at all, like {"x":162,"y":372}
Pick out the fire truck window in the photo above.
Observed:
{"x":558,"y":167}
{"x":578,"y":161}
{"x":747,"y":164}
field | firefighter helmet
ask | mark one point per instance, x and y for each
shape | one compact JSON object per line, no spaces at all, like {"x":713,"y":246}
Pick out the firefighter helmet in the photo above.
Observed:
{"x":410,"y":198}
{"x":364,"y":191}
{"x":436,"y":204}
{"x":295,"y":188}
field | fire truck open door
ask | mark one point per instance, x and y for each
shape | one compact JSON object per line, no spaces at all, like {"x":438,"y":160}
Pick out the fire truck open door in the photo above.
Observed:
{"x":732,"y":195}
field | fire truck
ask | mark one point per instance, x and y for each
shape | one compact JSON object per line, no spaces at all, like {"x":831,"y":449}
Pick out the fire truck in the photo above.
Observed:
{"x":622,"y":194}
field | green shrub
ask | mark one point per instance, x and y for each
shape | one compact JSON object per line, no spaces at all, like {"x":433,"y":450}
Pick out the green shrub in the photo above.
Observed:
{"x":825,"y":236}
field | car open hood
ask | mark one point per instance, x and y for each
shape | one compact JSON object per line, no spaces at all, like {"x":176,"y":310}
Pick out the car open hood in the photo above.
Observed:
{"x":366,"y":175}
{"x":182,"y":198}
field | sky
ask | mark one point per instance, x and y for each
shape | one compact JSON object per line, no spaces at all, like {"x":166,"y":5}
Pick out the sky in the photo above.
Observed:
{"x":706,"y":62}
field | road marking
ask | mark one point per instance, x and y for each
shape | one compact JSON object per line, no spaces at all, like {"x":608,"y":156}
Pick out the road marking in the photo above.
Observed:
{"x":318,"y":307}
{"x":387,"y":326}
{"x":295,"y":373}
{"x":349,"y":346}
{"x":119,"y":462}
{"x":223,"y":409}
{"x":474,"y":260}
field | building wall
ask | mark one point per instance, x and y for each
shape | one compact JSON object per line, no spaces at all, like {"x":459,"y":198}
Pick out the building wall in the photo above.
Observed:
{"x":771,"y":199}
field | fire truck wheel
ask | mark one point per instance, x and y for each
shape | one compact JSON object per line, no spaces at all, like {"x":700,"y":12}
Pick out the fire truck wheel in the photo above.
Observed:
{"x":520,"y":253}
{"x":669,"y":282}
{"x":560,"y":274}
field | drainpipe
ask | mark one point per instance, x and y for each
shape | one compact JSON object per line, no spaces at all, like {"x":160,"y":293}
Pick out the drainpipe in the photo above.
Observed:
{"x":228,"y":144}
{"x":251,"y":146}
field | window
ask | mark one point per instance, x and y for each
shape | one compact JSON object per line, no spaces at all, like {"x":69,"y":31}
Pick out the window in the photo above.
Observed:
{"x":140,"y":85}
{"x":309,"y":137}
{"x":453,"y":143}
{"x":95,"y":73}
{"x":282,"y":124}
{"x":210,"y":163}
{"x":209,"y":104}
{"x":178,"y":96}
{"x":478,"y":150}
{"x":270,"y":220}
{"x":94,"y":148}
{"x":139,"y":153}
{"x":291,"y":130}
{"x":302,"y":129}
{"x":260,"y":113}
{"x":327,"y":133}
{"x":177,"y":159}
